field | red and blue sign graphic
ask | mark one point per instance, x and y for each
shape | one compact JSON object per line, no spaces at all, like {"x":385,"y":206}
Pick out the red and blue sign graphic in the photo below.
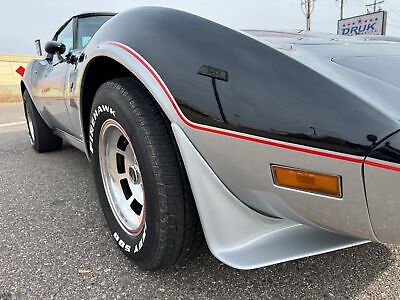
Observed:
{"x":370,"y":24}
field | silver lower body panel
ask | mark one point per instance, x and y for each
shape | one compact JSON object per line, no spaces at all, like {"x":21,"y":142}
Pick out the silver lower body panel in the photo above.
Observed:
{"x":241,"y":237}
{"x":73,"y":141}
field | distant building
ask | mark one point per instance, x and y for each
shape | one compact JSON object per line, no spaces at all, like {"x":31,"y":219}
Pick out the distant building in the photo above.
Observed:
{"x":9,"y":78}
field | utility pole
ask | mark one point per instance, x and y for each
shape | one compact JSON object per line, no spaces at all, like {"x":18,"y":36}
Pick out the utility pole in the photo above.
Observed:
{"x":309,"y":15}
{"x":307,"y":7}
{"x":340,"y":4}
{"x":341,"y":9}
{"x":374,"y":5}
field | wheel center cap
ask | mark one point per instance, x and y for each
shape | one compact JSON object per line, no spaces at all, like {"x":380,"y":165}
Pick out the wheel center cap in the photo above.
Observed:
{"x":134,"y":174}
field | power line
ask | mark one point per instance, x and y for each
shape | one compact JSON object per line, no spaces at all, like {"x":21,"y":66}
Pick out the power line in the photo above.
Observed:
{"x":394,"y":22}
{"x":393,"y":9}
{"x":362,"y":2}
{"x":374,"y":5}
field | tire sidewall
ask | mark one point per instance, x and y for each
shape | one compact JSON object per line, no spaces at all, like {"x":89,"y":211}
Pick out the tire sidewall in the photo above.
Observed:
{"x":111,"y":104}
{"x":29,"y":109}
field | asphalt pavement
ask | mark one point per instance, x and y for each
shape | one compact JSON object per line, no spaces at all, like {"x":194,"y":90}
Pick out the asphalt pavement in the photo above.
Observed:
{"x":54,"y":243}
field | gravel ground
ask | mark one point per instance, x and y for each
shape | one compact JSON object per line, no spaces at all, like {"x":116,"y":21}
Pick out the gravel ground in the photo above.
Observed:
{"x":54,"y":243}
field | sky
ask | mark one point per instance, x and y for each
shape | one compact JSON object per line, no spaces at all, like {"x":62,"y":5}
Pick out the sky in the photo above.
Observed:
{"x":23,"y":21}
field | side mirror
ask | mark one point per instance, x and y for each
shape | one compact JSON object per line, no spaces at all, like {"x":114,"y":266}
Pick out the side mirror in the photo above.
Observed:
{"x":54,"y":47}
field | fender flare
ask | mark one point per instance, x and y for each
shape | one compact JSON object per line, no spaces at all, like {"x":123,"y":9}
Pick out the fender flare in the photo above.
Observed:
{"x":143,"y":71}
{"x":25,"y":82}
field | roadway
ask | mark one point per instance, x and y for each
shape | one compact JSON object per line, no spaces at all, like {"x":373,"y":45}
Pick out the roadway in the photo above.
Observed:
{"x":54,"y":243}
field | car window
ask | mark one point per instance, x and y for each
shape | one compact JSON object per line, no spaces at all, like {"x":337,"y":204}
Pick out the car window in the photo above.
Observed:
{"x":87,"y":27}
{"x":66,"y":36}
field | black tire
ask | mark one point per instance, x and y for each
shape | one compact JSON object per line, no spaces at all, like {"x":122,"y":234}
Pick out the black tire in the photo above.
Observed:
{"x":172,"y":230}
{"x":42,"y":138}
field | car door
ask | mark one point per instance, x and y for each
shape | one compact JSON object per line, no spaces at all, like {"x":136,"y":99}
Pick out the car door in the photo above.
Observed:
{"x":52,"y":86}
{"x":85,"y":28}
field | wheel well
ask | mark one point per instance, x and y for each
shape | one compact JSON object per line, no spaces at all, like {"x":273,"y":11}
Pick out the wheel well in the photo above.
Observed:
{"x":23,"y":88}
{"x":100,"y":70}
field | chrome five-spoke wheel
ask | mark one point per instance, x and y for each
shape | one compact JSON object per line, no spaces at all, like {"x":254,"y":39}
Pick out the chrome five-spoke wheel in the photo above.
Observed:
{"x":140,"y":177}
{"x":122,"y":177}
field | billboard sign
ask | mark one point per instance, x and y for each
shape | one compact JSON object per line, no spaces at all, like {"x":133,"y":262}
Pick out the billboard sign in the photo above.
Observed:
{"x":369,"y":24}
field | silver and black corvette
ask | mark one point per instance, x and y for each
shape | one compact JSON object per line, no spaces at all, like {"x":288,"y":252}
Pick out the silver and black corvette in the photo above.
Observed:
{"x":271,"y":146}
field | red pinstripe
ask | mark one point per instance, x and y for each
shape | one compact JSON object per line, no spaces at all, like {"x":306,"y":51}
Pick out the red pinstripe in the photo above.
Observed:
{"x":242,"y":136}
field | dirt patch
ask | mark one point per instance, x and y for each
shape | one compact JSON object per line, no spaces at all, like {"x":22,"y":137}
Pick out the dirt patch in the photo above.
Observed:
{"x":10,"y":93}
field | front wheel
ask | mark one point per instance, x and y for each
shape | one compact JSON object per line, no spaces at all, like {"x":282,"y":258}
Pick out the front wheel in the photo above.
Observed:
{"x":141,"y":182}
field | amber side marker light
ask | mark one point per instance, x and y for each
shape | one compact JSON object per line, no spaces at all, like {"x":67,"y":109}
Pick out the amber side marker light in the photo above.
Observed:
{"x":307,"y":181}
